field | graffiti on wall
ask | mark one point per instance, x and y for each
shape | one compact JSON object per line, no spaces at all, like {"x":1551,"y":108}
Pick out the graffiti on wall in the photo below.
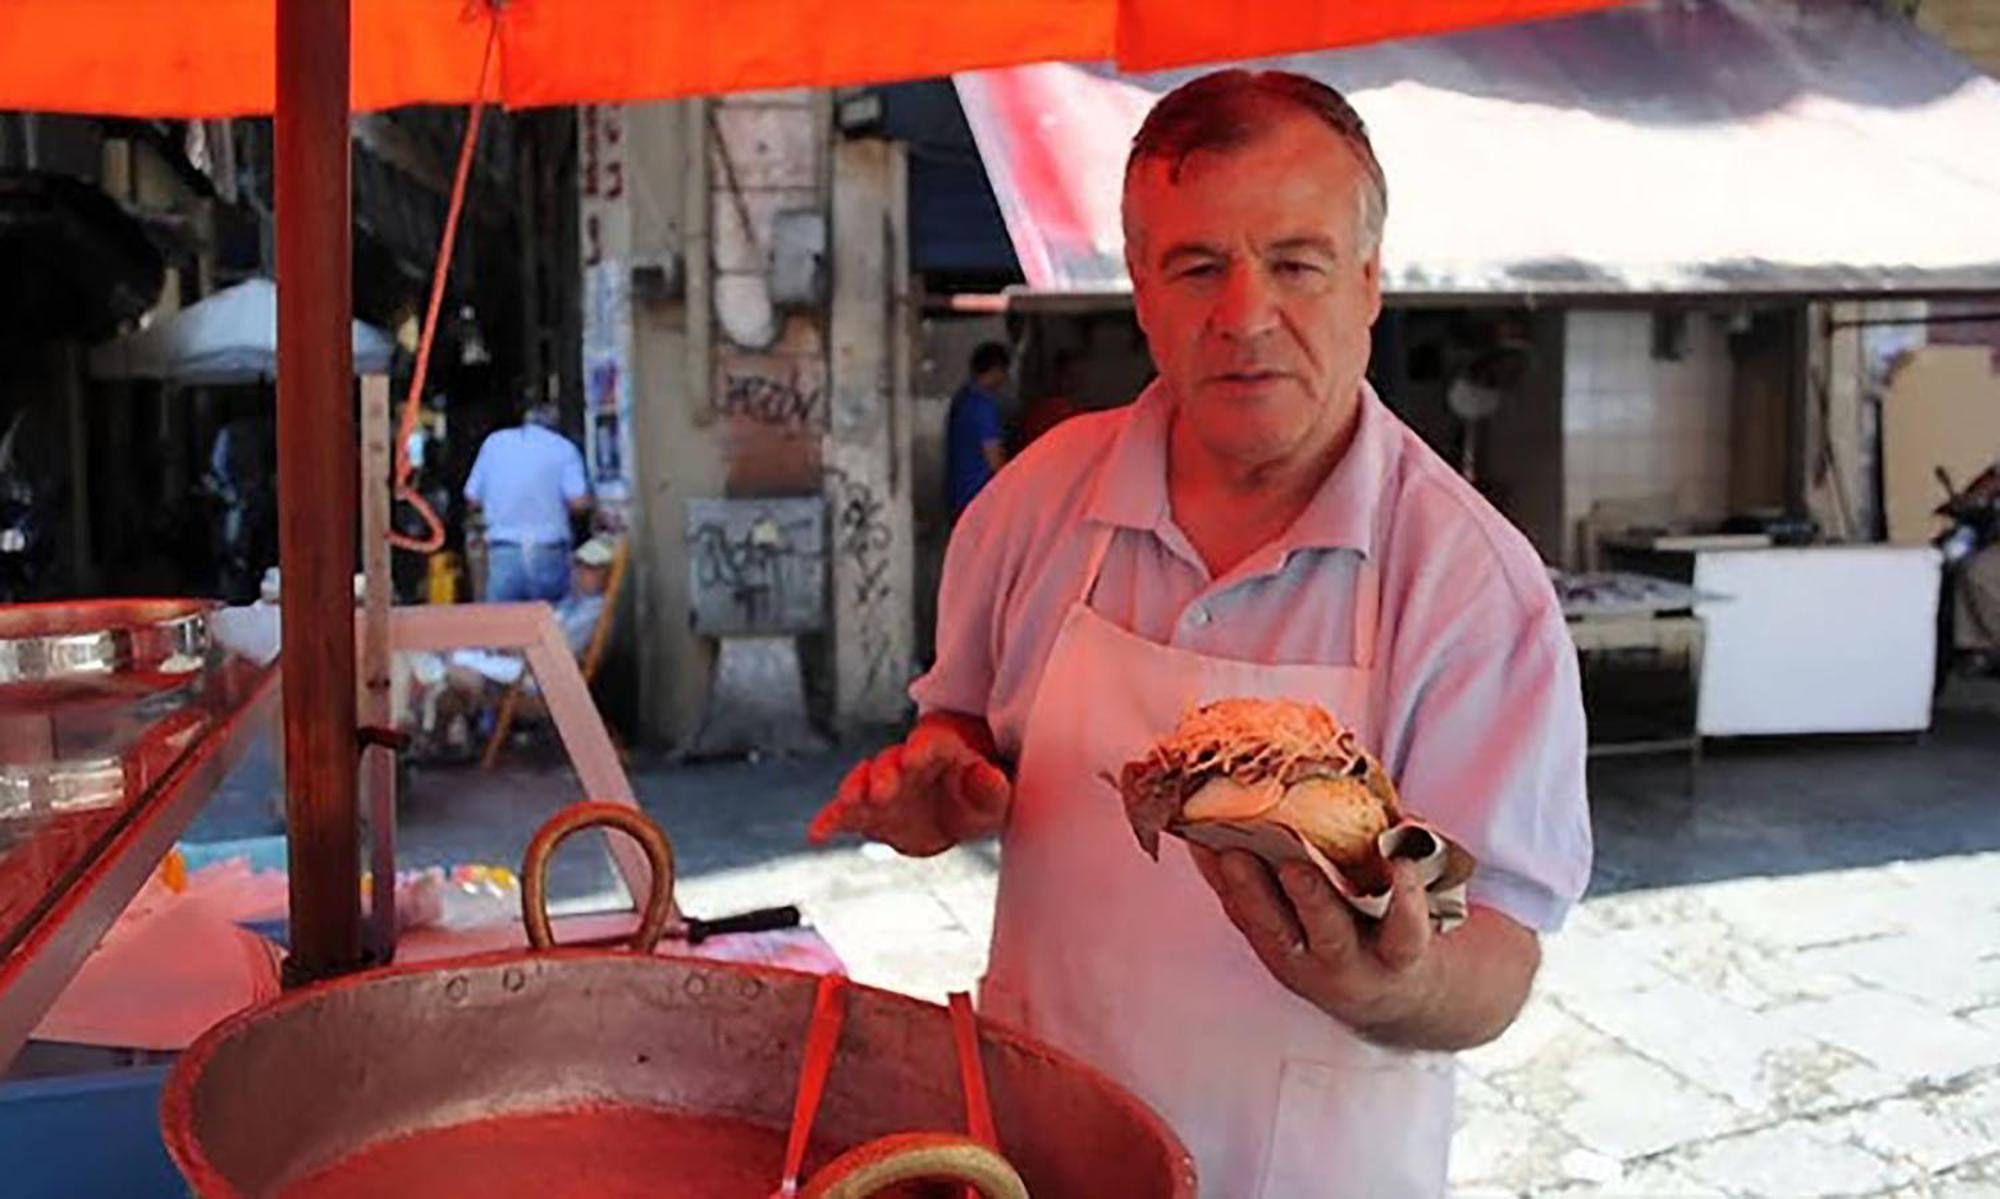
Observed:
{"x":601,"y":182}
{"x":864,"y":541}
{"x":784,"y":392}
{"x":757,"y":566}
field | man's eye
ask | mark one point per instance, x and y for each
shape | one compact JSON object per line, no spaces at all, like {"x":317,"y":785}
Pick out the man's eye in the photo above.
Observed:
{"x":1199,"y":270}
{"x":1299,"y":270}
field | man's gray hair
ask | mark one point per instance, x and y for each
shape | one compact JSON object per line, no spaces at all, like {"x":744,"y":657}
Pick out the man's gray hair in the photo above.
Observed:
{"x":1226,"y":109}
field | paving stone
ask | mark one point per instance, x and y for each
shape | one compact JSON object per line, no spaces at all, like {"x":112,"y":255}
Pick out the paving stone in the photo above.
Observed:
{"x":1476,"y":1098}
{"x":1589,"y":1174}
{"x":929,"y":971}
{"x":1585,"y":917}
{"x":1965,"y":882}
{"x":1626,"y":1106}
{"x":1772,"y":978}
{"x":793,"y":878}
{"x":1716,"y":957}
{"x":1984,"y":1017}
{"x":1979,"y":1097}
{"x":1897,"y":1034}
{"x":1595,"y":963}
{"x":1542,"y":1022}
{"x":1763,"y":1062}
{"x":971,"y":903}
{"x":884,"y":923}
{"x":1591,"y":1168}
{"x":1568,"y":1075}
{"x":1817,"y":909}
{"x":1658,"y":1177}
{"x":1942,"y":973}
{"x":1653,"y":908}
{"x":1974,"y":1180}
{"x":1792,"y":1159}
{"x":1502,"y":1151}
{"x":1932,"y":1132}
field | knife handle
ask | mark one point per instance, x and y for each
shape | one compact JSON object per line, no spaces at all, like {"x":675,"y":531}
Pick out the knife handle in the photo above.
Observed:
{"x":760,"y":921}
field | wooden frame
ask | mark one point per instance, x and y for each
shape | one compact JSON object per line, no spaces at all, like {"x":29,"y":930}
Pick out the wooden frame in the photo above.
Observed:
{"x":593,"y":655}
{"x":532,"y":630}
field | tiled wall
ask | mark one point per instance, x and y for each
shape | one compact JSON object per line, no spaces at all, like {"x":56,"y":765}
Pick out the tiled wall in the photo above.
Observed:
{"x":1971,"y":27}
{"x":1635,"y":426}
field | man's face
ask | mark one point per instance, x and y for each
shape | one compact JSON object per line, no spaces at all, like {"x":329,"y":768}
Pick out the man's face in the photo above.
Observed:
{"x":590,"y":580}
{"x":1253,"y":288}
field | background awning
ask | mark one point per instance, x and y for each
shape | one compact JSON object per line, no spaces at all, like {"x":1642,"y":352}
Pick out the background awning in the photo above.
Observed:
{"x":75,"y":262}
{"x":230,"y":337}
{"x":1724,"y":147}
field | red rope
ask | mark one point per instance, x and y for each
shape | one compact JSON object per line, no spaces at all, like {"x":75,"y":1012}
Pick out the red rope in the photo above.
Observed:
{"x":433,"y":539}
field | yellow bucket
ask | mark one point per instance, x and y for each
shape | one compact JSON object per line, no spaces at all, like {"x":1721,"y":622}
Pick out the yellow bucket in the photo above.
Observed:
{"x":442,"y":582}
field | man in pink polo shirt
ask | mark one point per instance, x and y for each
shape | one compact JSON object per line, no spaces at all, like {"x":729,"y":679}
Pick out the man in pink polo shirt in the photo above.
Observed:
{"x":1257,"y":523}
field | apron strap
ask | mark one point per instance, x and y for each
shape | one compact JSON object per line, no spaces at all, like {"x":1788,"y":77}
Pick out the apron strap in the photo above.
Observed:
{"x":1100,"y":545}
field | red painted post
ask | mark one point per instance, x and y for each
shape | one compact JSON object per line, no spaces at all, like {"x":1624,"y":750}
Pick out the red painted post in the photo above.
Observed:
{"x":317,"y":466}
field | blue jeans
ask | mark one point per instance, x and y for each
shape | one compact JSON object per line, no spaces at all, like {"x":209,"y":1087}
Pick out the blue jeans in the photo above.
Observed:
{"x":517,"y":572}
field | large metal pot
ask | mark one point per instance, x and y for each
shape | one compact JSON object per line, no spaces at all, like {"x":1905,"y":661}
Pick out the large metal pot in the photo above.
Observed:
{"x":578,"y":1050}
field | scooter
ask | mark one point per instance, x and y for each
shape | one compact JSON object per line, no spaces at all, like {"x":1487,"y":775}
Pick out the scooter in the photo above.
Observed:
{"x":1974,"y":524}
{"x":22,"y":535}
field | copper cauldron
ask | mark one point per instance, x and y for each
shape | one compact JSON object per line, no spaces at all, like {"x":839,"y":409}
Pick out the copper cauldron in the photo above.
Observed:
{"x":606,"y":1073}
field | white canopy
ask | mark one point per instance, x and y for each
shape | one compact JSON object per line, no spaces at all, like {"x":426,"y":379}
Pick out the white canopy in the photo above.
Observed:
{"x":1732,"y":147}
{"x":230,"y":337}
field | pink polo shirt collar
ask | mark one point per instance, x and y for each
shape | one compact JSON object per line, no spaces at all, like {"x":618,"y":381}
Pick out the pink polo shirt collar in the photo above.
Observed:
{"x":1131,"y":487}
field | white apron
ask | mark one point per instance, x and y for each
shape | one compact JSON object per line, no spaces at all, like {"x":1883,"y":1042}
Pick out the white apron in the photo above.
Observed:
{"x":1131,"y":964}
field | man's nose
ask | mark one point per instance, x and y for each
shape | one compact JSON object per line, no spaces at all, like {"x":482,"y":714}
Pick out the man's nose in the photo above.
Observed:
{"x":1246,"y":306}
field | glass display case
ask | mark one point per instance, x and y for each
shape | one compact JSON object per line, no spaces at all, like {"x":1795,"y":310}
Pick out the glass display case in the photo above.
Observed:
{"x":117,"y":721}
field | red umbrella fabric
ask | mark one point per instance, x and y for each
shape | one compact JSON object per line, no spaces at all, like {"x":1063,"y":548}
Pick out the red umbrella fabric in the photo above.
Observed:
{"x":214,"y":58}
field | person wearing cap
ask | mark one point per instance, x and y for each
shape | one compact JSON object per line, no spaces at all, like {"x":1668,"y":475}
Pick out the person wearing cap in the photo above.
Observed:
{"x":455,"y":687}
{"x":528,"y":482}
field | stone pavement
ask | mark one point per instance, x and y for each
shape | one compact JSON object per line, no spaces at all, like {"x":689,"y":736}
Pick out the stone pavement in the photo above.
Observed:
{"x":1789,"y":985}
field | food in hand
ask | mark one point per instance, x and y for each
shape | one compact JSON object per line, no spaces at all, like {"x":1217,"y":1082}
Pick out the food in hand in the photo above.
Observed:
{"x":1279,"y":762}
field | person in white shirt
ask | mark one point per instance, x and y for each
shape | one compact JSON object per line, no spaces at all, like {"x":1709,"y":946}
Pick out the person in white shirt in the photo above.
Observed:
{"x":528,"y":481}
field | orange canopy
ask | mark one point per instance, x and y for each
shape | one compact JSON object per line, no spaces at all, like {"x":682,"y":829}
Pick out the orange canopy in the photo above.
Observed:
{"x":213,"y":58}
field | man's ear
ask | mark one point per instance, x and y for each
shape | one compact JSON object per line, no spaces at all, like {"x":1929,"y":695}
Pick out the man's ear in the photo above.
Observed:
{"x":1135,"y":248}
{"x":1136,"y":272}
{"x":1371,"y":277}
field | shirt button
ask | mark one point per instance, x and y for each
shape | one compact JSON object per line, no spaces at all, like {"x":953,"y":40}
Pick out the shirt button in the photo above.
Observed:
{"x":1198,"y":617}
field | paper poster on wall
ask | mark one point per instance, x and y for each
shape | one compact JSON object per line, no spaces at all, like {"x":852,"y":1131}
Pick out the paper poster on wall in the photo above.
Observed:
{"x":607,"y":458}
{"x":605,"y":227}
{"x":607,"y":357}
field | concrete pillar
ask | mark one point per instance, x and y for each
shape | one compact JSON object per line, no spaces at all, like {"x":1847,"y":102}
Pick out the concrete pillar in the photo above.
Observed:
{"x":867,"y":452}
{"x":748,"y":383}
{"x":659,"y":226}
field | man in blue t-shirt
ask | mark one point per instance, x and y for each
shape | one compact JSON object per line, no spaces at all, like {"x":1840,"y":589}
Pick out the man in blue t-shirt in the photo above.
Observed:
{"x":975,"y":444}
